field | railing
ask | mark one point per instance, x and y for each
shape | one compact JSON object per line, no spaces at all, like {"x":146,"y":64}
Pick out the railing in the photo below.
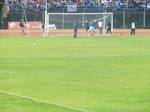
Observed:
{"x":123,"y":16}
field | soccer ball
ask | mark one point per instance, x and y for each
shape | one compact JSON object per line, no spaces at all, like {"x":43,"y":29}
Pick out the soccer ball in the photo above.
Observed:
{"x":34,"y":44}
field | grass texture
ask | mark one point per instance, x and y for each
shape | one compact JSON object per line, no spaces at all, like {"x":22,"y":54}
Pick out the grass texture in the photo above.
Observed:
{"x":63,"y":74}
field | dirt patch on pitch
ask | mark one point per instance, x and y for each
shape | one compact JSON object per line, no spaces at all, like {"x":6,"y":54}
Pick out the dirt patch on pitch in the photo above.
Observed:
{"x":69,"y":32}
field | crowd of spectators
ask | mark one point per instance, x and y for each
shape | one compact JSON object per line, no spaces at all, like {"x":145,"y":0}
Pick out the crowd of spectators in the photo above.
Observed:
{"x":16,"y":5}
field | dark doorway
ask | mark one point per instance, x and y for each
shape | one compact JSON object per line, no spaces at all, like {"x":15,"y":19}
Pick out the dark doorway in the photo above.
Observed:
{"x":1,"y":6}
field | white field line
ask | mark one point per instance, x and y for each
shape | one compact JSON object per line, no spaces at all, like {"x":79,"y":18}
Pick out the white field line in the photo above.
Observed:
{"x":116,"y":55}
{"x":107,"y":55}
{"x":42,"y":101}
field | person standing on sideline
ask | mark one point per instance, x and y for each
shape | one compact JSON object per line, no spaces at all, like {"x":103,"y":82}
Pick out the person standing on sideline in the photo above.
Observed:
{"x":132,"y":28}
{"x":100,"y":26}
{"x":109,"y":28}
{"x":75,"y":29}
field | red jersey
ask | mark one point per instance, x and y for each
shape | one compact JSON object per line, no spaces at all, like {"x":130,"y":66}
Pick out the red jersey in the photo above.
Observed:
{"x":22,"y":24}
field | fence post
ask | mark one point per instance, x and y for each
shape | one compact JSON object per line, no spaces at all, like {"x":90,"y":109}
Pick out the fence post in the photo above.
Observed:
{"x":83,"y":21}
{"x":1,"y":5}
{"x":144,"y":19}
{"x":124,"y":19}
{"x":63,"y":18}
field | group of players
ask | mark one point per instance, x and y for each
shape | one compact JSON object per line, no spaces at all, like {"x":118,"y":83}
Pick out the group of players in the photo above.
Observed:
{"x":89,"y":27}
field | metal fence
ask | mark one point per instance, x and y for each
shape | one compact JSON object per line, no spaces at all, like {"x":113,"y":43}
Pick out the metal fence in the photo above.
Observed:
{"x":121,"y":18}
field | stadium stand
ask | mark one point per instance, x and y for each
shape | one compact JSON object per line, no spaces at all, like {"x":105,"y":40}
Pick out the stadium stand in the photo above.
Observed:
{"x":15,"y":5}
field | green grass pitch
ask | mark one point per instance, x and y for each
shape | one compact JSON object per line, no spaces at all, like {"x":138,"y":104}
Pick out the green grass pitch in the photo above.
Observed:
{"x":62,"y":74}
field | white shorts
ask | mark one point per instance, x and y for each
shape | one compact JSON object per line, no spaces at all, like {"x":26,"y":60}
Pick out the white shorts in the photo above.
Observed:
{"x":91,"y":28}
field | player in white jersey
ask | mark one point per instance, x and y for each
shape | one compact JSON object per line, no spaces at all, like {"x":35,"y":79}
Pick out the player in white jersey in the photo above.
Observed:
{"x":100,"y":26}
{"x":133,"y":28}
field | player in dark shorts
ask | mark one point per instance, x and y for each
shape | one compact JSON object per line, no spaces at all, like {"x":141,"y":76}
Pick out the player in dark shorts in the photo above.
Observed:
{"x":87,"y":26}
{"x":22,"y":27}
{"x":75,"y":29}
{"x":43,"y":27}
{"x":133,"y":28}
{"x":109,"y":28}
